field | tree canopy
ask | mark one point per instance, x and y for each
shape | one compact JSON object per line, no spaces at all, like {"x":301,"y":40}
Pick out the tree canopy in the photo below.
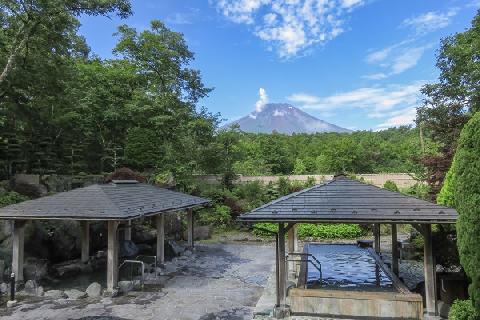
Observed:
{"x":449,"y":103}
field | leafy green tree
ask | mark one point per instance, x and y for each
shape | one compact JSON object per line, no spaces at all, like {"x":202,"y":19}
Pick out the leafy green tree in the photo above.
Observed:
{"x":466,"y":177}
{"x":24,"y":22}
{"x":450,"y":103}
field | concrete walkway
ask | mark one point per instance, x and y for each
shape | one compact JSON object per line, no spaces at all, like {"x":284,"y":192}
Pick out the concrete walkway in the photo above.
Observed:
{"x":218,"y":281}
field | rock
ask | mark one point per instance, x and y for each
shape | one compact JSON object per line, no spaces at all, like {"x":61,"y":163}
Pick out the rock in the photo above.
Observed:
{"x":142,"y":233}
{"x":55,"y":294}
{"x":11,"y":304}
{"x":31,"y":287}
{"x":71,"y":268}
{"x":40,"y":291}
{"x":94,"y":290}
{"x":74,"y":294}
{"x":201,"y":233}
{"x":187,"y":253}
{"x":177,"y":249}
{"x":35,"y":268}
{"x":31,"y":190}
{"x":4,"y":288}
{"x":128,"y":249}
{"x":125,"y":286}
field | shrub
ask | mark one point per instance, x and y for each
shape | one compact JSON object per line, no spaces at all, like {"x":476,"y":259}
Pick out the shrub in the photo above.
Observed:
{"x":330,"y":231}
{"x":390,"y":185}
{"x":466,"y":177}
{"x":219,"y":216}
{"x":11,"y":198}
{"x":463,"y":310}
{"x":318,"y":231}
{"x":446,"y":195}
{"x":125,"y":174}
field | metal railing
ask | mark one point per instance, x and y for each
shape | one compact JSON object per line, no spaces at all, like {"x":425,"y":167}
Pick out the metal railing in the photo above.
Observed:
{"x":306,"y":258}
{"x":132,"y":263}
{"x":154,"y":258}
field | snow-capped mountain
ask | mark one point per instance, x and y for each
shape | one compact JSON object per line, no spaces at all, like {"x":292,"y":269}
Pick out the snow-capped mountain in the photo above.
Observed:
{"x":283,"y":118}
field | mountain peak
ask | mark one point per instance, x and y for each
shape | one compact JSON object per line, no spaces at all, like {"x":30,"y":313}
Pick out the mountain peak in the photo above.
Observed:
{"x":283,"y":118}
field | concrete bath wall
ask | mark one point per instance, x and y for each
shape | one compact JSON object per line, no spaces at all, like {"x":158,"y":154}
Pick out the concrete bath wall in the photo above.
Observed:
{"x":368,"y":305}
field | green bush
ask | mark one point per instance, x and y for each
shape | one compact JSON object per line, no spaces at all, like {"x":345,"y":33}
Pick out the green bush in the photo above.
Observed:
{"x":463,"y":310}
{"x":466,"y":177}
{"x":317,"y":231}
{"x":218,"y":216}
{"x":446,"y":195}
{"x":390,"y":185}
{"x":11,"y":198}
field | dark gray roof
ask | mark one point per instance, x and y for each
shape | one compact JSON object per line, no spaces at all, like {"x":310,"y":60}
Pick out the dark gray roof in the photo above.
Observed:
{"x":347,"y":200}
{"x":114,"y":201}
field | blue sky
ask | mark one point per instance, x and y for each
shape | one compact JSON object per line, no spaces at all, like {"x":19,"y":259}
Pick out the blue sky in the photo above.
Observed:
{"x":355,"y":63}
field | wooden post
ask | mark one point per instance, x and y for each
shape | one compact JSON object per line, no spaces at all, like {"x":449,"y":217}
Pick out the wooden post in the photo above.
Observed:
{"x":281,"y":264}
{"x":18,"y":247}
{"x":128,"y":231}
{"x":376,"y":234}
{"x":292,"y":247}
{"x":293,"y":239}
{"x":160,"y":219}
{"x":190,"y":228}
{"x":112,"y":256}
{"x":85,"y":240}
{"x":429,"y":266}
{"x":395,"y":267}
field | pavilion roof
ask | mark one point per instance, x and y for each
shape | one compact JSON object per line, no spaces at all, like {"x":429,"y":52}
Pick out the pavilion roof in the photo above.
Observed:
{"x":344,"y":200}
{"x":119,"y":200}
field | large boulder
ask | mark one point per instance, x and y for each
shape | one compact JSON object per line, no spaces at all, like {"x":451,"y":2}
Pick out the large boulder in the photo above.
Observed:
{"x":128,"y":249}
{"x":94,"y":290}
{"x":125,"y":286}
{"x":176,"y":248}
{"x":55,"y":294}
{"x":4,"y":288}
{"x":200,"y":233}
{"x":74,"y":294}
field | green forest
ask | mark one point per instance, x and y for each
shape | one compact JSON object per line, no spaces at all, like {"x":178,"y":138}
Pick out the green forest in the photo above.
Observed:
{"x":64,"y":110}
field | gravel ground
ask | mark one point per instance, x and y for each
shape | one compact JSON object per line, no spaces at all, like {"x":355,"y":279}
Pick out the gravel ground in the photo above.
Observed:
{"x":218,"y":281}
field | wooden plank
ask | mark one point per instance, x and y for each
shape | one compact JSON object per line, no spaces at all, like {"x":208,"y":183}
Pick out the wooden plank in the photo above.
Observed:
{"x":160,"y":222}
{"x":112,"y":255}
{"x":85,"y":240}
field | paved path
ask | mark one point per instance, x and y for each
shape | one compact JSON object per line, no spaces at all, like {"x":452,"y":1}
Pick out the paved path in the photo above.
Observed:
{"x":219,"y":281}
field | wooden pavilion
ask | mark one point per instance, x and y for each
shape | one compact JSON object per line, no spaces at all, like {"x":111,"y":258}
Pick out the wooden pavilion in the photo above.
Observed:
{"x":344,"y":200}
{"x":117,"y":203}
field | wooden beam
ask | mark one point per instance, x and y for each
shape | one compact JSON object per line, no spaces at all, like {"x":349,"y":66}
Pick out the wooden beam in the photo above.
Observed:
{"x":112,"y":255}
{"x":190,"y":231}
{"x":18,"y":246}
{"x":160,"y":221}
{"x":85,"y":240}
{"x":395,"y":266}
{"x":376,"y":235}
{"x":429,"y":270}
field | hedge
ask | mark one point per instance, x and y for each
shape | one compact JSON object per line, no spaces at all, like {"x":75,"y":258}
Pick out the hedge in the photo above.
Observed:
{"x":318,"y":231}
{"x":466,"y":177}
{"x":463,"y":310}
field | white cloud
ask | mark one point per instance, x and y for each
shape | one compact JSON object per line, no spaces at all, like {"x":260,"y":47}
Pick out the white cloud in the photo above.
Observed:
{"x":430,"y":21}
{"x":291,"y":26}
{"x":396,"y":59}
{"x":378,"y":102}
{"x":408,"y":59}
{"x":401,"y":117}
{"x":376,"y":76}
{"x":262,"y":100}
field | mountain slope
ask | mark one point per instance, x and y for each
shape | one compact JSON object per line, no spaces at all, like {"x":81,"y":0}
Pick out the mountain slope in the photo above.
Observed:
{"x":283,"y":118}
